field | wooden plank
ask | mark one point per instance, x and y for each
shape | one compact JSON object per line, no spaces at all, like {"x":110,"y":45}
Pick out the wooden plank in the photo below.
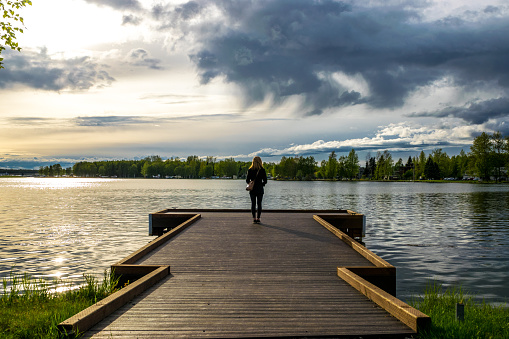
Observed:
{"x":231,"y":278}
{"x":282,"y":243}
{"x":372,"y":257}
{"x":95,"y":313}
{"x":413,"y":318}
{"x":157,"y":242}
{"x":234,"y":211}
{"x":253,"y":306}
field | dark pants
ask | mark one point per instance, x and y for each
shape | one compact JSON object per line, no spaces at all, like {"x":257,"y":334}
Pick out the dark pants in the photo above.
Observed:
{"x":256,"y":199}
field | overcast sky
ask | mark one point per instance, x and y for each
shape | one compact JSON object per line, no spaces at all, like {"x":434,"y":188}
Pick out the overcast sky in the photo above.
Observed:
{"x":123,"y":79}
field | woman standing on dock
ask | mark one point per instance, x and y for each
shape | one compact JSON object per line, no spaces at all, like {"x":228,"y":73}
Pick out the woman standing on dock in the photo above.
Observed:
{"x":257,"y":174}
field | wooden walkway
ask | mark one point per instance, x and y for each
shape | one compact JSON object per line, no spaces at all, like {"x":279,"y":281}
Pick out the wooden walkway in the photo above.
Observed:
{"x":230,"y":278}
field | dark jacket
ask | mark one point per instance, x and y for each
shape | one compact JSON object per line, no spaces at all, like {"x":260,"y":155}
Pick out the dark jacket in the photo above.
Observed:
{"x":260,"y":179}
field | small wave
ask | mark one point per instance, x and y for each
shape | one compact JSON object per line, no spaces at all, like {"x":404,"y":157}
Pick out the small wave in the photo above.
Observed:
{"x":430,"y":245}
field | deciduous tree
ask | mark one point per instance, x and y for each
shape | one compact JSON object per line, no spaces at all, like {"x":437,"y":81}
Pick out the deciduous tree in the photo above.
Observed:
{"x":351,"y":165}
{"x":331,"y":170}
{"x":481,"y":151}
{"x":12,"y":23}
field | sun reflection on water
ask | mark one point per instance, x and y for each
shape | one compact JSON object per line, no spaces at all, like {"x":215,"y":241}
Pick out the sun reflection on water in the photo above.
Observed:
{"x":57,"y":275}
{"x":58,"y":183}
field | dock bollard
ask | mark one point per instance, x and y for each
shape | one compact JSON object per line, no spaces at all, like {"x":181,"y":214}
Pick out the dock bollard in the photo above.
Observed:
{"x":460,"y":311}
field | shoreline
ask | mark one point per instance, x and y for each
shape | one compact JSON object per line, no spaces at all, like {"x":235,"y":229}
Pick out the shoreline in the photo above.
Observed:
{"x":273,"y":179}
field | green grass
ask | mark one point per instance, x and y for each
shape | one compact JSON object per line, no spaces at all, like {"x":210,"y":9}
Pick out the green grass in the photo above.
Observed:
{"x":481,"y":320}
{"x":30,"y":308}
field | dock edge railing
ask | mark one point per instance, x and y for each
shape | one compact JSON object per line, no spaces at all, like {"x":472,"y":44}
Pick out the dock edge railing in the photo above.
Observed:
{"x":378,"y":283}
{"x":142,"y":277}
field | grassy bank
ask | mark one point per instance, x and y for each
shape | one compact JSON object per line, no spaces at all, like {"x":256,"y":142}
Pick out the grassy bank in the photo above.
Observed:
{"x":31,"y":308}
{"x":481,"y":320}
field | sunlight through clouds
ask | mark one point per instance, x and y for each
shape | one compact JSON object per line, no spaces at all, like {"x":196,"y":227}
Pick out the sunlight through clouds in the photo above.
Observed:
{"x":109,"y":79}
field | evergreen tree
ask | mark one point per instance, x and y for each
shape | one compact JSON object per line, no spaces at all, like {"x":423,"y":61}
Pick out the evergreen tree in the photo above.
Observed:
{"x":399,"y":168}
{"x":442,"y":161}
{"x":369,"y":170}
{"x":499,"y":158}
{"x":409,"y":162}
{"x":431,"y":169}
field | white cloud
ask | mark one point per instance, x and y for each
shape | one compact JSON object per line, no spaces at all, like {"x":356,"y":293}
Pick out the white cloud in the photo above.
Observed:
{"x":394,"y":137}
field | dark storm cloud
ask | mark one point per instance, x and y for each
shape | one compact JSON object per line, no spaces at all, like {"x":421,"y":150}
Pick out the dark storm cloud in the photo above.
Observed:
{"x":171,"y":16}
{"x":291,"y":47}
{"x":140,"y":57}
{"x":474,"y":112}
{"x":118,"y":4}
{"x":39,"y":71}
{"x":130,"y":20}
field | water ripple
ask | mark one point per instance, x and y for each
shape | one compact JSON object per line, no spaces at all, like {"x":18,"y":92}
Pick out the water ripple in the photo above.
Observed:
{"x":452,"y":233}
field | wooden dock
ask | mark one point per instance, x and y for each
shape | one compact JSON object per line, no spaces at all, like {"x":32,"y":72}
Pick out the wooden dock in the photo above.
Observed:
{"x":293,"y":275}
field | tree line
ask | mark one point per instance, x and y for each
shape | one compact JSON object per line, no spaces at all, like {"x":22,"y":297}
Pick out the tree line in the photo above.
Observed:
{"x":153,"y":166}
{"x":488,"y":157}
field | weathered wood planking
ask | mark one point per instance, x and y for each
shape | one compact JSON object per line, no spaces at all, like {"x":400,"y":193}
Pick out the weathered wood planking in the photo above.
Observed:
{"x":93,"y":314}
{"x":251,"y":306}
{"x":229,"y":241}
{"x":349,"y":222}
{"x":232,"y":278}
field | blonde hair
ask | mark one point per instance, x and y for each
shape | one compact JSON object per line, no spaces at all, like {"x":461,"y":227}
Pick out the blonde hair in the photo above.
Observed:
{"x":257,"y":163}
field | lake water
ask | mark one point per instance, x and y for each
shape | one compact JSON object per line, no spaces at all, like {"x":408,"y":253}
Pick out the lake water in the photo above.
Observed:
{"x":451,"y":233}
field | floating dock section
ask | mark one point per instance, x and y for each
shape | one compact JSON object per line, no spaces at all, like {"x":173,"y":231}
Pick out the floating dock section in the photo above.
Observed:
{"x":215,"y":274}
